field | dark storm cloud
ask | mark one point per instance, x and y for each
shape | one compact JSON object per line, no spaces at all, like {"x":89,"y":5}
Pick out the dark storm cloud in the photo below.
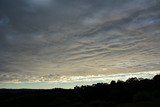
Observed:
{"x":73,"y":37}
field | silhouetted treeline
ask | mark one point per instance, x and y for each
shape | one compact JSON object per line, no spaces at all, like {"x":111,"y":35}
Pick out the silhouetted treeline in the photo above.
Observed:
{"x":131,"y":93}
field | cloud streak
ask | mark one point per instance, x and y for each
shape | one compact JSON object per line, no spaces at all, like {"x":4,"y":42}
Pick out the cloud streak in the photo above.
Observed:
{"x":78,"y":38}
{"x":70,"y":81}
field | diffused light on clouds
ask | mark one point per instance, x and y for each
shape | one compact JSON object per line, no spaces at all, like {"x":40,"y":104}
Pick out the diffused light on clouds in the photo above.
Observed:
{"x":77,"y":40}
{"x":87,"y":78}
{"x":108,"y":78}
{"x":72,"y":81}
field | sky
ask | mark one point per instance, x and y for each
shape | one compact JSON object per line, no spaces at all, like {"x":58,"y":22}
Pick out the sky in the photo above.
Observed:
{"x":63,"y":43}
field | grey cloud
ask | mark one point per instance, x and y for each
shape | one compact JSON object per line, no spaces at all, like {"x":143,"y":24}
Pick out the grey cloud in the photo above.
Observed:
{"x":49,"y":36}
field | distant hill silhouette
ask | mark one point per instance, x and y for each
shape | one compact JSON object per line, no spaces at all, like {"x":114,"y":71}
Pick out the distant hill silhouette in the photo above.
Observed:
{"x":134,"y":92}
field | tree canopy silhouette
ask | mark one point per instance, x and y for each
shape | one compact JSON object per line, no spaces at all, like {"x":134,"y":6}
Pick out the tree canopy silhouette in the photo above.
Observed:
{"x":133,"y":91}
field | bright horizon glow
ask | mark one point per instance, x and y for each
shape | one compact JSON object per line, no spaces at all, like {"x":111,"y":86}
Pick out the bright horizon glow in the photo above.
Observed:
{"x":72,"y":81}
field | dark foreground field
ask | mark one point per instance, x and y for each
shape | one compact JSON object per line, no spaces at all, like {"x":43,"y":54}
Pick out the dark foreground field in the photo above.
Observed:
{"x":132,"y":93}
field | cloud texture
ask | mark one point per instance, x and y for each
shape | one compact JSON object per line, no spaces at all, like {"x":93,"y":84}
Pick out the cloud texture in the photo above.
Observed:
{"x":57,"y":38}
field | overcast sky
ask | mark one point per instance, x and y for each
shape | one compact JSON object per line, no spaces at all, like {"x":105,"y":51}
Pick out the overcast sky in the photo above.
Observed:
{"x":49,"y":40}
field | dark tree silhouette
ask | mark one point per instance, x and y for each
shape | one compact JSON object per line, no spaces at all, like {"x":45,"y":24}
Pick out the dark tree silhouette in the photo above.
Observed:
{"x":133,"y":91}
